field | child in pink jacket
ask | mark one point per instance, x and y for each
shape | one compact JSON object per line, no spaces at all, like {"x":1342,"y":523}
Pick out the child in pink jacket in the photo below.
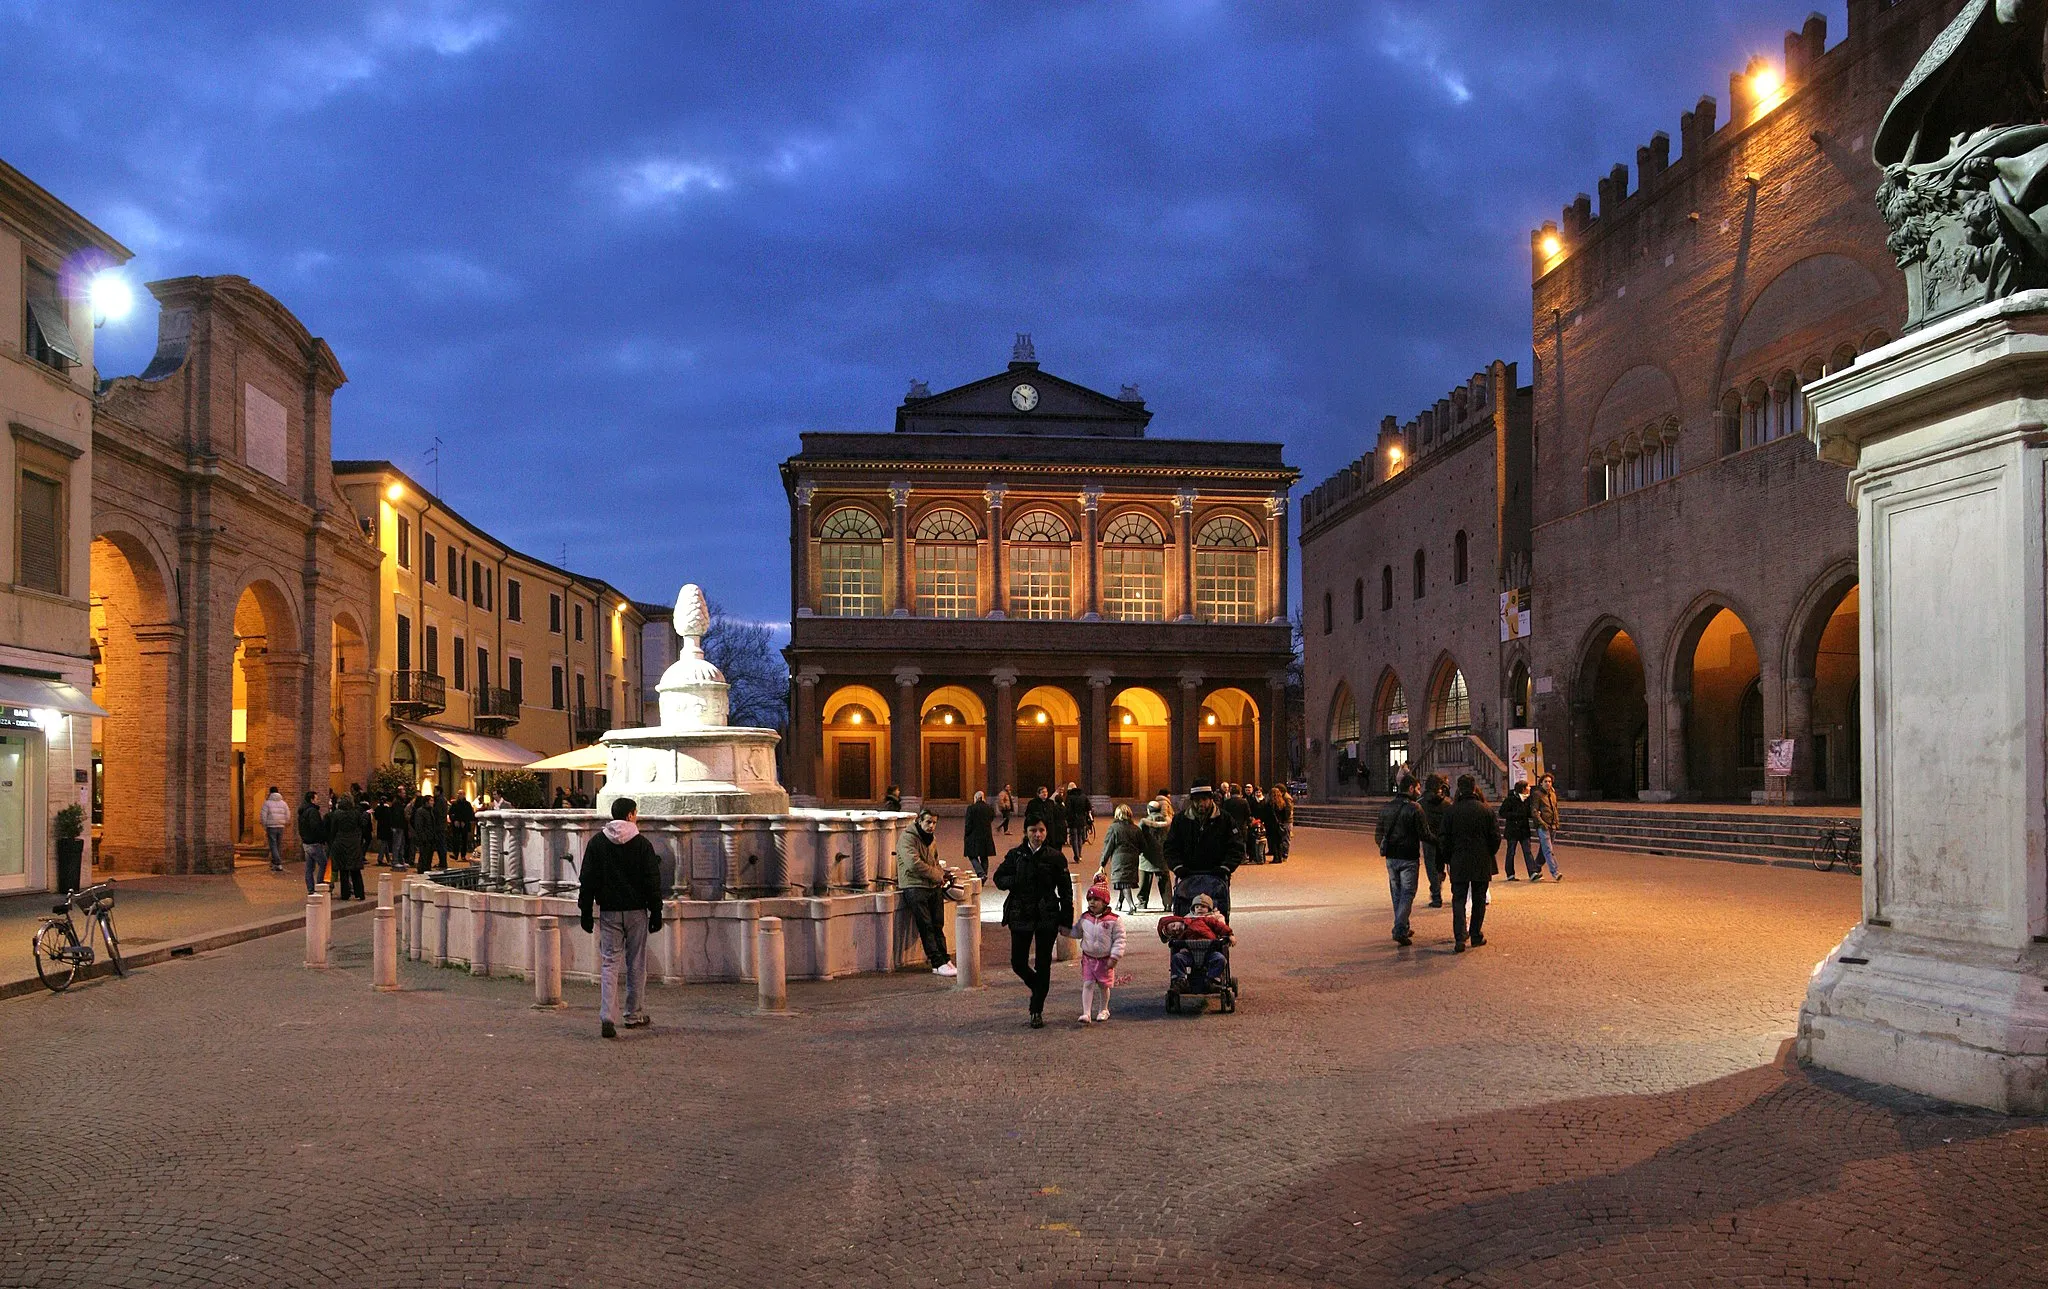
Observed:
{"x":1101,"y":936}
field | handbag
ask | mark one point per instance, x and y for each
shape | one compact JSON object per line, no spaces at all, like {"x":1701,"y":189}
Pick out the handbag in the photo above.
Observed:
{"x":954,"y":891}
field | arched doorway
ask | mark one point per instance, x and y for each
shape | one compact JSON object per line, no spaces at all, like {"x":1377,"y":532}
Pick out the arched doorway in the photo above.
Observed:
{"x":1827,"y":660}
{"x":1048,"y":740}
{"x":134,"y":677}
{"x":953,"y":744}
{"x":352,"y":697}
{"x":1521,"y":697}
{"x":267,"y":672}
{"x":1140,"y":745}
{"x":1615,"y":718}
{"x":1390,"y":736}
{"x":1343,"y":741}
{"x":856,"y":722}
{"x":1450,"y":722}
{"x":1724,"y":723}
{"x":1227,"y":742}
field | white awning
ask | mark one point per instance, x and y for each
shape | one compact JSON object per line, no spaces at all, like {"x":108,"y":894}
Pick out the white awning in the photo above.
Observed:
{"x":582,"y":758}
{"x":17,"y":690}
{"x":475,"y":749}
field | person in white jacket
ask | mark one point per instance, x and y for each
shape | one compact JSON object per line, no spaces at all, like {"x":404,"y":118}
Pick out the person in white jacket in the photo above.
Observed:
{"x":274,"y":815}
{"x":1101,"y":936}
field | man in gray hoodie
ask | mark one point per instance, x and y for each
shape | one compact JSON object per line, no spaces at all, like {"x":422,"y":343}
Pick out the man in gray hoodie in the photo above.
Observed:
{"x":620,"y":898}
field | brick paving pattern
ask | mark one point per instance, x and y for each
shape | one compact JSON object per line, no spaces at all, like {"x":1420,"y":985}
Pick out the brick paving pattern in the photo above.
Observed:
{"x":1595,"y":1098}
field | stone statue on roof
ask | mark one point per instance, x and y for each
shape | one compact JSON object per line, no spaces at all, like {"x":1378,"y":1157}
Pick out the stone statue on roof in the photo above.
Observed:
{"x":1964,"y":152}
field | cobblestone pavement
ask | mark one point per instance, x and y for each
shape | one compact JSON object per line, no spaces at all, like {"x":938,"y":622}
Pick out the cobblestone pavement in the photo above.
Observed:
{"x":1594,"y":1098}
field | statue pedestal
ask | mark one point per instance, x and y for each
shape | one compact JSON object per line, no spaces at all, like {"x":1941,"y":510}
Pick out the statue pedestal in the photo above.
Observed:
{"x":1943,"y":987}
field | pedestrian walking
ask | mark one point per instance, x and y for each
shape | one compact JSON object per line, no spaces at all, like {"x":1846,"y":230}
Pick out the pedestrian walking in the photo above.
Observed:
{"x":1152,"y":857}
{"x":1099,"y":933}
{"x":1543,"y":813}
{"x":1399,"y":834}
{"x":1515,"y":827}
{"x":313,"y":841}
{"x":429,"y":831}
{"x":977,"y":835}
{"x":1039,"y":903}
{"x":920,"y":884}
{"x":345,"y":847}
{"x":1470,"y":839}
{"x":1006,"y":805}
{"x":1203,"y":839}
{"x":1436,"y":799}
{"x":1080,"y":820}
{"x":1052,"y":814}
{"x":1122,"y":854}
{"x":274,"y":814}
{"x":620,"y":898}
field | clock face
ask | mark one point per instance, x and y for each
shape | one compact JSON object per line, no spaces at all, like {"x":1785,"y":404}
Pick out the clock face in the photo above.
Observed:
{"x":1024,"y":398}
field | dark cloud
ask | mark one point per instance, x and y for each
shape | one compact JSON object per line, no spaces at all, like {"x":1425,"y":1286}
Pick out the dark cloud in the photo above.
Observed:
{"x":617,"y":257}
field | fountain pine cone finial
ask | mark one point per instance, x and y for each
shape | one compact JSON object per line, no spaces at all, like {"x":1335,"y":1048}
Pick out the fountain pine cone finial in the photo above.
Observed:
{"x":693,"y":614}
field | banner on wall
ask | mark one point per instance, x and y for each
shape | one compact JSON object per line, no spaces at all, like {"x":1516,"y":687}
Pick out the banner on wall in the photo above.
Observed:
{"x":1514,"y":615}
{"x":1525,"y":757}
{"x":1778,"y":758}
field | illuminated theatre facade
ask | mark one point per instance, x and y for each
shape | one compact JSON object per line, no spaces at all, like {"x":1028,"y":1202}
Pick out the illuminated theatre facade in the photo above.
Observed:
{"x":1016,"y":586}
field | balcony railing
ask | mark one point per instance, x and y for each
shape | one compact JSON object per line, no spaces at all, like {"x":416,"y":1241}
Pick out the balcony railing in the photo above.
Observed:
{"x":494,"y":708}
{"x":418,"y":693}
{"x":592,"y":721}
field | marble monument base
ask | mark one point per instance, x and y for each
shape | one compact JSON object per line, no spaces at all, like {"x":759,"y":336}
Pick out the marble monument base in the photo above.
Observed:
{"x":722,"y":770}
{"x":1943,"y":989}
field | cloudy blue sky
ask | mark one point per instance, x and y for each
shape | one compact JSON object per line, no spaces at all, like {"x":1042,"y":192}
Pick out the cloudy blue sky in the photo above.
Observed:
{"x":617,"y":256}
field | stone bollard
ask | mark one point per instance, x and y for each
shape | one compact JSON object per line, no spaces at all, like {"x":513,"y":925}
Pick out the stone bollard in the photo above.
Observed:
{"x":316,"y":927}
{"x":547,"y":962}
{"x":967,"y":940}
{"x":1066,"y":948}
{"x":770,"y":968}
{"x":384,"y":951}
{"x":383,"y":890}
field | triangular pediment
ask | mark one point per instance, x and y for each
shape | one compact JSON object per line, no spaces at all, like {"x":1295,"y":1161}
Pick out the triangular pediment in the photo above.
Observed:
{"x":1023,"y":399}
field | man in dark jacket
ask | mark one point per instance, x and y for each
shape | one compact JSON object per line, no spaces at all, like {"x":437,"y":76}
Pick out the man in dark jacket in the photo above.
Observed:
{"x":430,"y":831}
{"x":1514,"y":826}
{"x":620,"y":898}
{"x":1399,"y":835}
{"x":313,"y":841}
{"x":1040,"y":903}
{"x":978,"y":834}
{"x":1204,"y":840}
{"x":1080,"y":820}
{"x":1436,"y":801}
{"x":1052,"y":814}
{"x":461,"y":827}
{"x":345,"y":831}
{"x":1470,"y":839}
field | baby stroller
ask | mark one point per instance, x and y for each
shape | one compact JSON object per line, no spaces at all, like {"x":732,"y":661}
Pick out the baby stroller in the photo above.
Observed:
{"x":1200,"y":966}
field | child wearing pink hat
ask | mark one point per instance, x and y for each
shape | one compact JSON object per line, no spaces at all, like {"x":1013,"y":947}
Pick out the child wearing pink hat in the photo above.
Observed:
{"x":1101,"y":936}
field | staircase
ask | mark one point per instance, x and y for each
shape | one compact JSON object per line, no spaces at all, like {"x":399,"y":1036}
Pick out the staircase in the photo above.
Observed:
{"x":1737,"y":834}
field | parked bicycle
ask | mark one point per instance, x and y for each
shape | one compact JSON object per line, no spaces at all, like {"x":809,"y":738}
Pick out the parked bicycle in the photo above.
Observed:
{"x":1832,"y":847}
{"x":59,"y":951}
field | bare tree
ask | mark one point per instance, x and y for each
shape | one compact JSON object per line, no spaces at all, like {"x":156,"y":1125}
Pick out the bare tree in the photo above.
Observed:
{"x":759,"y":678}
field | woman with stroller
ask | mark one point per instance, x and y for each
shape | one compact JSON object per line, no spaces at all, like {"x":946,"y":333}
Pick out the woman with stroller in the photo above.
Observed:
{"x":1039,"y":904}
{"x":1122,"y":848}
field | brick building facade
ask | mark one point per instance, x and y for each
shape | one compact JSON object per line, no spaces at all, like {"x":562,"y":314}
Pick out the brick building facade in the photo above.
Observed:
{"x":1405,"y":555}
{"x":1017,"y":587}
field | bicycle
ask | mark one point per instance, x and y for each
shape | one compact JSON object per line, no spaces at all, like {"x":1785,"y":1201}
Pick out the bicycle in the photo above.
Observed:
{"x":59,"y":952}
{"x":1830,"y":848}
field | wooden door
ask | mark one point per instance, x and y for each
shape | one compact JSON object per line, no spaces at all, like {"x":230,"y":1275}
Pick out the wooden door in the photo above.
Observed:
{"x":1206,"y":761}
{"x":1035,"y":768}
{"x":942,"y":771}
{"x":1123,"y":771}
{"x":855,"y":779}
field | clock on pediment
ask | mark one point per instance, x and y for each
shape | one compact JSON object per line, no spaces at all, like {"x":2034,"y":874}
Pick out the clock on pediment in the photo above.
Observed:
{"x":1024,"y":398}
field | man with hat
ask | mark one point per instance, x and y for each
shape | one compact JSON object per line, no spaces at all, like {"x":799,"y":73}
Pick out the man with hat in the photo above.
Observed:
{"x":1400,"y":834}
{"x":1204,"y":840}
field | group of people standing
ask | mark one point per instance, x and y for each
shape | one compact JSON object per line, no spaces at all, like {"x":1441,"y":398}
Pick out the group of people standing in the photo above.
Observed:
{"x":399,"y":831}
{"x":1423,"y":827}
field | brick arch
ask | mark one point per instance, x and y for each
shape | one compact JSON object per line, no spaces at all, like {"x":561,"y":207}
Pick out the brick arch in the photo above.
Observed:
{"x":969,"y":509}
{"x":1684,"y":636}
{"x":825,"y":510}
{"x":1809,"y":617}
{"x":1779,"y":308}
{"x":1642,"y":394}
{"x":139,"y":544}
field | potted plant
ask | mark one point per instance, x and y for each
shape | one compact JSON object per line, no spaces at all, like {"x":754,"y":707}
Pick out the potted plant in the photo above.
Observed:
{"x":70,"y":823}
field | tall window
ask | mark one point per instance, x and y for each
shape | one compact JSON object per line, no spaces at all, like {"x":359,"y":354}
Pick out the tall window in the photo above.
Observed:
{"x":46,"y":333}
{"x":555,"y":614}
{"x":476,"y":586}
{"x":850,"y":558}
{"x":512,"y":606}
{"x":1358,"y":600}
{"x":404,"y":542}
{"x":946,"y":582}
{"x":1421,"y":572}
{"x":459,"y":658}
{"x":1041,"y":554}
{"x":483,"y":667}
{"x":1461,"y":558}
{"x":431,"y":648}
{"x":1134,"y":569}
{"x":555,"y":686}
{"x":1453,"y":712}
{"x":404,"y":643}
{"x":515,"y":678}
{"x":429,"y":569}
{"x":576,"y":613}
{"x":42,"y":534}
{"x":1344,"y":727}
{"x":1386,"y":587}
{"x":1329,"y":616}
{"x":1226,"y":572}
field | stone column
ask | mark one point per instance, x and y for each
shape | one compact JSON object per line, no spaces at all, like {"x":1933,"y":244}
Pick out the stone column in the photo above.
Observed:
{"x":1273,"y":729}
{"x":1276,"y":541}
{"x":1799,"y":728}
{"x":800,"y":552}
{"x":1583,"y":777}
{"x":1187,"y":715}
{"x":899,"y":519}
{"x":358,"y":702}
{"x":905,"y":730}
{"x":1184,"y":525}
{"x":1095,"y":740}
{"x":1002,"y":732}
{"x":1940,"y":989}
{"x":999,"y":596}
{"x":1672,"y":778}
{"x":806,"y":741}
{"x":1091,"y":600}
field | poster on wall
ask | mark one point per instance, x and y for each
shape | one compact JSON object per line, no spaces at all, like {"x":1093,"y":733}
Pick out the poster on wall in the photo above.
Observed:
{"x":1514,"y":615}
{"x":1778,"y":758}
{"x":1525,"y":756}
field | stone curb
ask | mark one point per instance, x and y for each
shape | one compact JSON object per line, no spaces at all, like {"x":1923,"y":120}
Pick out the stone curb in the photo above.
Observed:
{"x":201,"y":943}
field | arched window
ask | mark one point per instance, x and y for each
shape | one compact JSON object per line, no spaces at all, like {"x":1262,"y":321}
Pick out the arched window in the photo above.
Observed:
{"x":1041,"y":577}
{"x":1329,"y":616}
{"x":946,"y":584}
{"x":1749,"y":726}
{"x":1134,"y":569}
{"x":1386,"y":587}
{"x":1461,"y":558}
{"x":1844,"y":359}
{"x":1344,"y":726}
{"x":1756,"y":415}
{"x":1453,"y":711}
{"x":1358,"y":600}
{"x":1421,"y":580}
{"x":1596,"y":477}
{"x":850,"y":558}
{"x":1226,"y":572}
{"x":1788,"y":408}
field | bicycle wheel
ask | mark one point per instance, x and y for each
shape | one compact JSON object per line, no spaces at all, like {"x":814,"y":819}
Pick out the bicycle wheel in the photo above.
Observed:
{"x":113,"y":945}
{"x":55,"y":962}
{"x":1823,"y":854}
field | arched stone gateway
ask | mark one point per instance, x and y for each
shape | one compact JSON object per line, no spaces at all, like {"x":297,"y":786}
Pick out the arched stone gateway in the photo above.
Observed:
{"x":856,"y":725}
{"x":1345,"y":744}
{"x":138,"y":679}
{"x":1610,"y":717}
{"x":1227,"y":742}
{"x":1823,"y":691}
{"x":1718,"y":681}
{"x":1390,"y":734}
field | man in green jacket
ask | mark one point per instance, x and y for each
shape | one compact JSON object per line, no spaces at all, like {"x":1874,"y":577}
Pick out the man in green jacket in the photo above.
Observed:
{"x":921,"y":882}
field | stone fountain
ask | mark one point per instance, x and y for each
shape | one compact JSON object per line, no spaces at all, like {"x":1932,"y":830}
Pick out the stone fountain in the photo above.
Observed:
{"x":732,"y":848}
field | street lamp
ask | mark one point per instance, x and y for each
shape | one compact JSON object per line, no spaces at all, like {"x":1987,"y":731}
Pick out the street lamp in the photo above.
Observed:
{"x":112,"y":298}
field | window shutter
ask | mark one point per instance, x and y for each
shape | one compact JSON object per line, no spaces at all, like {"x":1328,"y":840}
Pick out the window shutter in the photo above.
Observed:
{"x":42,"y":537}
